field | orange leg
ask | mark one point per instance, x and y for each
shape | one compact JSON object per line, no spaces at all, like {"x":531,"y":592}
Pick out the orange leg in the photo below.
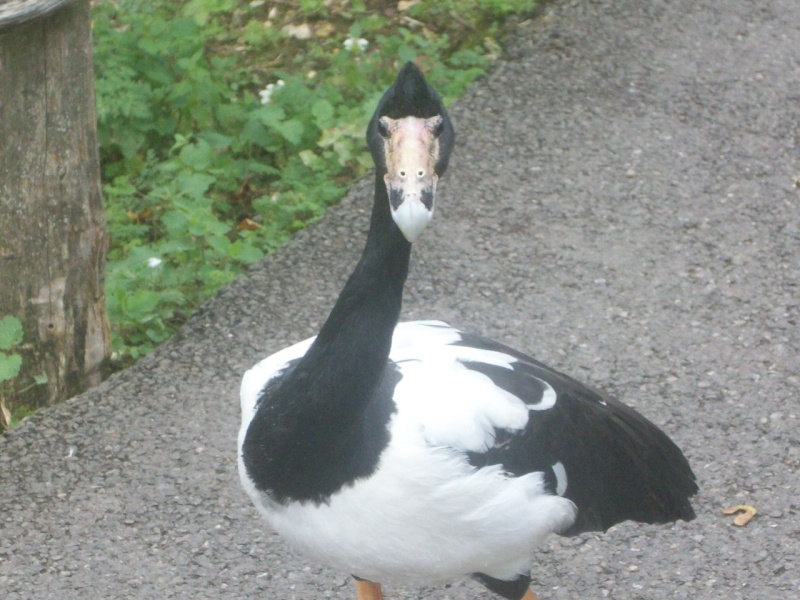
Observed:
{"x":529,"y":595}
{"x":368,"y":590}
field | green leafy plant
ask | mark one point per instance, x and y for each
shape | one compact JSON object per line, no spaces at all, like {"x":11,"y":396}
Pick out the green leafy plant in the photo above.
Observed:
{"x":11,"y":336}
{"x":223,"y":130}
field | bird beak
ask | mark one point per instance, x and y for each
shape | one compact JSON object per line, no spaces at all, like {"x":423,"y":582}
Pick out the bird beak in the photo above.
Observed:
{"x":411,"y":148}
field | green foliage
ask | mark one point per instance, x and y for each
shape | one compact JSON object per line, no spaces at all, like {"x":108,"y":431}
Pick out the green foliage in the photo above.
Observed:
{"x":11,"y":336}
{"x":10,"y":365}
{"x":11,"y":333}
{"x":221,"y":135}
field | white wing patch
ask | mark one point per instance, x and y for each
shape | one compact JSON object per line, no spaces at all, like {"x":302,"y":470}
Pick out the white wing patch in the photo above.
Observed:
{"x":442,"y":400}
{"x":561,"y":478}
{"x":548,"y":397}
{"x":413,"y":337}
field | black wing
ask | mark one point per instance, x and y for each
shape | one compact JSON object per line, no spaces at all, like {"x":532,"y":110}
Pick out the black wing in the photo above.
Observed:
{"x":616,"y":465}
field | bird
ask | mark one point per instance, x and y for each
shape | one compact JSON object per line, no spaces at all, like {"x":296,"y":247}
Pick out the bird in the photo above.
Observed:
{"x":417,"y":453}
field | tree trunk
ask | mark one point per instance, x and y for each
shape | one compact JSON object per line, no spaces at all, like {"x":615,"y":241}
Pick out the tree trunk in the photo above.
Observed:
{"x":52,"y":225}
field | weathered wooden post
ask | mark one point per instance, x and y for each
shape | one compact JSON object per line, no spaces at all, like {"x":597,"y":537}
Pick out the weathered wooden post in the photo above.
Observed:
{"x":52,"y":226}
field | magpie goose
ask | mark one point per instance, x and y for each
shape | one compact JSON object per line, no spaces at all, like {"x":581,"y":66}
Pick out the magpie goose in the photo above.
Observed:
{"x":418,"y":453}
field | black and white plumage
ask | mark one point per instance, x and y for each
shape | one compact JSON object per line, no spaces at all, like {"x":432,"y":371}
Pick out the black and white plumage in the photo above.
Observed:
{"x":415,"y":452}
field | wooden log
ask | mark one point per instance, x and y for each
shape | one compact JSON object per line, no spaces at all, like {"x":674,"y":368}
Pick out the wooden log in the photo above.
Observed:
{"x":52,"y":224}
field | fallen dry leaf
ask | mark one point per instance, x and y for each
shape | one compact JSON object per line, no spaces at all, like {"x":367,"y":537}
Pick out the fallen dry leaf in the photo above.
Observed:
{"x":141,"y":216}
{"x":6,"y":414}
{"x":300,"y":32}
{"x":404,"y":5}
{"x":747,"y":514}
{"x":247,"y":225}
{"x":324,"y":30}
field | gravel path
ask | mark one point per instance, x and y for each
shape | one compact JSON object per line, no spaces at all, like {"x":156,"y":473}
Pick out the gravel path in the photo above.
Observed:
{"x":623,"y":204}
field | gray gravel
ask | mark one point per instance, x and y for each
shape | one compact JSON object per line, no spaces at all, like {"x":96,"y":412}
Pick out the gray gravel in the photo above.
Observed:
{"x":623,"y":204}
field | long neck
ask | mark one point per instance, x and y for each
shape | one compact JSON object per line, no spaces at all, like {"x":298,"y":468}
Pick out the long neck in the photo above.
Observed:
{"x":323,"y":424}
{"x":378,"y":279}
{"x":350,"y":352}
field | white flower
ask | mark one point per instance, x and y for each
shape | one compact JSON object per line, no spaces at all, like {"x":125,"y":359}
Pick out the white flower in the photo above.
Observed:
{"x":266,"y":93}
{"x":153,"y":262}
{"x":360,"y":43}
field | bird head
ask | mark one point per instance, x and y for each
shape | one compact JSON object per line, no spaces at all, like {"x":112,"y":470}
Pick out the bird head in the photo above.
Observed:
{"x":410,"y":138}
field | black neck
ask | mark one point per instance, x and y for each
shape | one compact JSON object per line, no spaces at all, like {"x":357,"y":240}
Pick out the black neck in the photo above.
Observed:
{"x":353,"y":344}
{"x":322,"y":424}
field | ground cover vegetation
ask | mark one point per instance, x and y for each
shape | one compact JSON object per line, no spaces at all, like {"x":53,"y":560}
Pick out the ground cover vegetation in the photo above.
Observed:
{"x":226,"y":126}
{"x":11,"y":338}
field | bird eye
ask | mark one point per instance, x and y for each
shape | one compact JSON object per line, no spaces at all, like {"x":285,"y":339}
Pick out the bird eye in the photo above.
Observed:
{"x":383,"y":128}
